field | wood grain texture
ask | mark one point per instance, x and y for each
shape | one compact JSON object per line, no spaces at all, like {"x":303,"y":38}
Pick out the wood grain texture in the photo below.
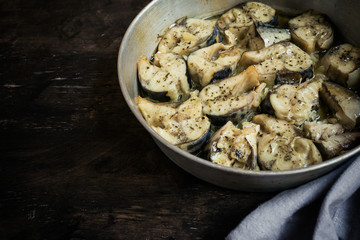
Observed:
{"x":75,"y":163}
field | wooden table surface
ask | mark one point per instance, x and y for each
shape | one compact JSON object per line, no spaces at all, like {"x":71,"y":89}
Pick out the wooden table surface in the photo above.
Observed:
{"x":75,"y":163}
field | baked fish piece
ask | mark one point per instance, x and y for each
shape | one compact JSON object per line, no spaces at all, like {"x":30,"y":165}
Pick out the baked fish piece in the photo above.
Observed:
{"x":181,"y":124}
{"x":165,"y":78}
{"x":284,"y":62}
{"x":281,"y":146}
{"x":342,"y":65}
{"x":188,"y":36}
{"x":212,"y":63}
{"x":232,"y":98}
{"x":234,"y":147}
{"x":311,"y":31}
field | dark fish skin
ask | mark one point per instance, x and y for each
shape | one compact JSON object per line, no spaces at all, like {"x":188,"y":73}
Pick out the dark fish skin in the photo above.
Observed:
{"x":266,"y":106}
{"x":215,"y":37}
{"x":221,"y":120}
{"x":195,"y":146}
{"x":294,"y":77}
{"x":223,"y":73}
{"x":158,"y":96}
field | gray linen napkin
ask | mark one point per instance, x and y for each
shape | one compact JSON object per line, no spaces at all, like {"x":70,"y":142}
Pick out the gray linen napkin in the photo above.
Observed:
{"x":325,"y":208}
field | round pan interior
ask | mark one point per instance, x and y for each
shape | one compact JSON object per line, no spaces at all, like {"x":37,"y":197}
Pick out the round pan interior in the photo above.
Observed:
{"x":141,"y":38}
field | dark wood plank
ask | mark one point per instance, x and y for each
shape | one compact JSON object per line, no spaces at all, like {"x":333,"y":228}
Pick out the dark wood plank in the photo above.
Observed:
{"x":75,"y":163}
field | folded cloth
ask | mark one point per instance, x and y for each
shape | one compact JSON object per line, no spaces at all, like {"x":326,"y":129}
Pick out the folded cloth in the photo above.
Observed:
{"x":325,"y":208}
